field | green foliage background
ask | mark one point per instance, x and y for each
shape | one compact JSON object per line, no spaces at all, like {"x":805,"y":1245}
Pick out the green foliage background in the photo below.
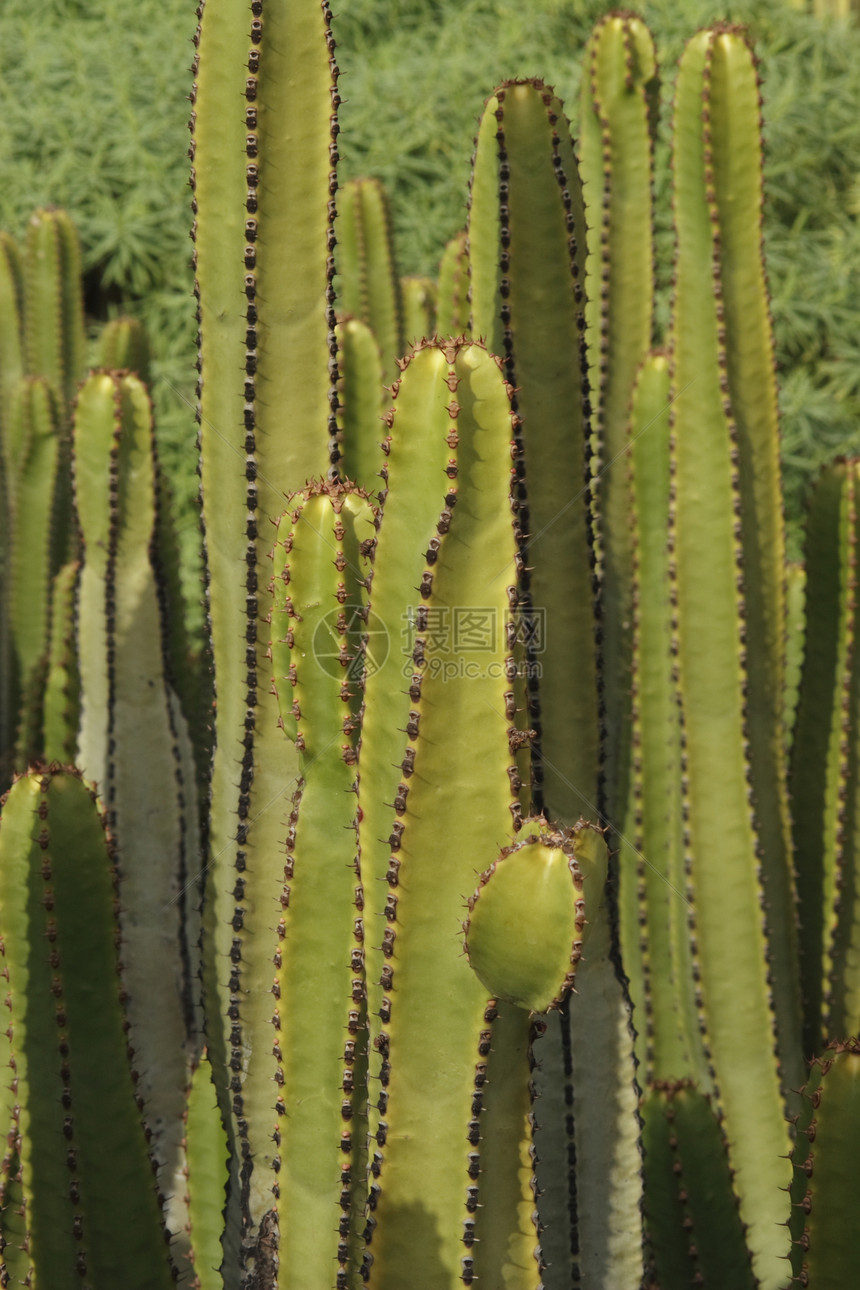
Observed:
{"x":93,"y":117}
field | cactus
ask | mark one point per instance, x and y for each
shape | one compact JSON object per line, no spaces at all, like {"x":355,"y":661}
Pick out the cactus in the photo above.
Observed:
{"x":824,"y":1192}
{"x":347,"y":1071}
{"x":86,"y":1190}
{"x":824,"y":769}
{"x":370,"y":288}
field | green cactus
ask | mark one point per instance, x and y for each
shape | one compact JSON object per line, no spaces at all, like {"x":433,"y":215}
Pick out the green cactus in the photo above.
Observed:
{"x":370,"y":288}
{"x":90,"y":1209}
{"x":824,"y":764}
{"x":825,"y":1192}
{"x":333,"y":1095}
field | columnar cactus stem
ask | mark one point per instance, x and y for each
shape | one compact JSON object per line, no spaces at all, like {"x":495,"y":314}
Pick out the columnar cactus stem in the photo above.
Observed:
{"x":369,"y":283}
{"x":32,"y":466}
{"x":528,"y":302}
{"x":452,"y":293}
{"x":695,"y":1234}
{"x":419,"y":308}
{"x":63,"y":683}
{"x":527,"y":265}
{"x":425,"y":1190}
{"x":361,"y":403}
{"x":825,"y":1194}
{"x":264,"y":255}
{"x":54,"y":313}
{"x":320,"y":1124}
{"x":619,"y":92}
{"x":90,"y":1206}
{"x":653,"y":907}
{"x":727,"y":543}
{"x":825,"y":771}
{"x":416,"y":456}
{"x":124,"y":346}
{"x":139,"y":747}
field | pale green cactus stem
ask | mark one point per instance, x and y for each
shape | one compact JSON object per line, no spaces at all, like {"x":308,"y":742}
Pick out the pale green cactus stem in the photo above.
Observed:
{"x":11,"y":371}
{"x":528,"y":303}
{"x":370,"y":287}
{"x":695,"y":1234}
{"x":362,"y":402}
{"x":264,"y":199}
{"x":726,"y":541}
{"x":54,"y":311}
{"x":432,"y":1062}
{"x":317,"y":1155}
{"x":32,"y":460}
{"x":528,"y":299}
{"x":825,"y":771}
{"x":206,"y":1153}
{"x":90,"y":1210}
{"x":135,"y":741}
{"x":619,"y":95}
{"x":419,"y":309}
{"x":452,"y":290}
{"x":653,"y":904}
{"x":825,"y":1193}
{"x":124,"y":346}
{"x":12,"y":359}
{"x":416,"y":455}
{"x":63,"y":683}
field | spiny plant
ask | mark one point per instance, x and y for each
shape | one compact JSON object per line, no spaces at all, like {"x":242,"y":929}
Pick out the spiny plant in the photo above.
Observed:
{"x":390,"y":1022}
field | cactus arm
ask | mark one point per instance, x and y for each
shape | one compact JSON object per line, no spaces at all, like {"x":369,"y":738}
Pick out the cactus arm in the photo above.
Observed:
{"x":151,"y":806}
{"x":419,"y":309}
{"x":694,"y":1229}
{"x":723,"y":841}
{"x":124,"y":346}
{"x":54,"y":319}
{"x":616,"y":165}
{"x":370,"y":285}
{"x":825,"y":763}
{"x":95,"y":408}
{"x":452,"y":293}
{"x":319,"y":960}
{"x":32,"y":464}
{"x":508,"y":1253}
{"x":825,"y":1193}
{"x":12,"y":359}
{"x":750,"y":369}
{"x":361,"y":401}
{"x":91,"y":1206}
{"x":265,"y":202}
{"x":417,"y":454}
{"x":63,"y":686}
{"x":206,"y":1152}
{"x":606,"y":1126}
{"x":433,"y":1056}
{"x":652,"y":883}
{"x":526,"y":198}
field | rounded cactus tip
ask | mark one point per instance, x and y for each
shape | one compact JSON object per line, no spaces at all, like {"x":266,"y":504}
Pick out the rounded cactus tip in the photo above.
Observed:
{"x":528,"y":920}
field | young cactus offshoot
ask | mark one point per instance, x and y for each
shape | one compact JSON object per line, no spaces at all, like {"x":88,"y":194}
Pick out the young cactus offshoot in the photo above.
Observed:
{"x":528,"y":921}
